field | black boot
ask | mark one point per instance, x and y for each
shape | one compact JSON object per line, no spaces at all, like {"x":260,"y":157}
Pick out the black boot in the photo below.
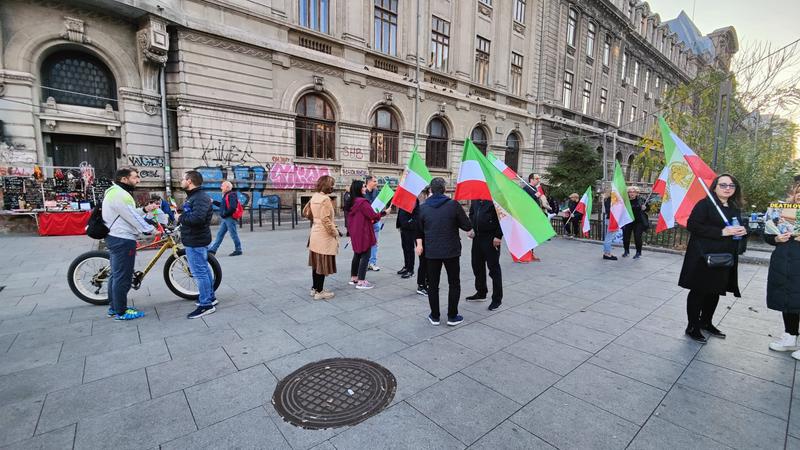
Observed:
{"x":695,"y":334}
{"x":714,"y":331}
{"x":637,"y":255}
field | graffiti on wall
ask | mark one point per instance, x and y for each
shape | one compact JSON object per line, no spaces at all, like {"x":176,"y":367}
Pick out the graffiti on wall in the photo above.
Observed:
{"x":291,"y":176}
{"x":355,"y":173}
{"x":145,"y":161}
{"x":16,"y":155}
{"x":225,"y":150}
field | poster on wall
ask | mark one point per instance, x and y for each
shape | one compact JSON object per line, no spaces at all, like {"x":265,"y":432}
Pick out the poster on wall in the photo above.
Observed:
{"x":784,"y":215}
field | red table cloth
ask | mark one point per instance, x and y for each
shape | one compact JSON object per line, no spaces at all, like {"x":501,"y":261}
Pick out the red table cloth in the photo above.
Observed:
{"x":63,"y":223}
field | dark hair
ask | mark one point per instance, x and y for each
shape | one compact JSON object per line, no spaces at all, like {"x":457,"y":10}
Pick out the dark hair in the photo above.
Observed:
{"x":736,"y":198}
{"x":324,"y":184}
{"x":438,"y":185}
{"x":155,"y":198}
{"x":123,"y":173}
{"x":355,"y":192}
{"x":369,"y":178}
{"x":195,"y":177}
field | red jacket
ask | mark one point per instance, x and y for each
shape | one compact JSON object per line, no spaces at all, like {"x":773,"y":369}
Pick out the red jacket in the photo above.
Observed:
{"x":359,"y":225}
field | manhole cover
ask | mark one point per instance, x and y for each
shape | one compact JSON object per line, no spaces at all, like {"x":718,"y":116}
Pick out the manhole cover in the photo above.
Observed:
{"x":333,"y":393}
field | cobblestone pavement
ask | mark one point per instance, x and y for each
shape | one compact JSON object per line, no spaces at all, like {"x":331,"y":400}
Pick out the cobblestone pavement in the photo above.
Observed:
{"x":584,"y":353}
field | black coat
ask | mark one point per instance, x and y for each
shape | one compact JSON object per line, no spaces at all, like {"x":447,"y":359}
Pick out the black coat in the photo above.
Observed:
{"x":407,"y":221}
{"x":640,"y":220}
{"x":439,"y":220}
{"x":483,"y":218}
{"x":705,"y":226}
{"x":783,"y":278}
{"x":195,"y":221}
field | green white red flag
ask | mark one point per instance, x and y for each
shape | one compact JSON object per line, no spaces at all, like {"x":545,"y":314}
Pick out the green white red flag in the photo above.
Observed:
{"x":471,"y":184}
{"x":585,"y":207}
{"x":621,"y":212}
{"x":502,"y":167}
{"x":383,"y":198}
{"x":413,"y":181}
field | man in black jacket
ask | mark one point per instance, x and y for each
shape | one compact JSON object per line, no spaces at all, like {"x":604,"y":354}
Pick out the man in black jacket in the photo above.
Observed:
{"x":228,"y":205}
{"x":486,"y":239}
{"x":407,"y":223}
{"x":440,"y":217}
{"x":195,"y":225}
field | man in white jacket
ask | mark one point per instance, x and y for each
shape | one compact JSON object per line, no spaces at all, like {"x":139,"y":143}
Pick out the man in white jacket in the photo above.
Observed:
{"x":125,"y":224}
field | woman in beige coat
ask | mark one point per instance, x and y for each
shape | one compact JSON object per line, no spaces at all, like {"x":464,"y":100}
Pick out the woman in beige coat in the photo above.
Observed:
{"x":323,"y":243}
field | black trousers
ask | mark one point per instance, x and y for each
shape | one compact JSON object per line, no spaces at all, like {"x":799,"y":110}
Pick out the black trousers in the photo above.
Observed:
{"x":485,"y":254}
{"x":700,"y":308}
{"x":408,"y":241}
{"x":318,"y":280}
{"x":422,"y":273}
{"x":358,"y":268}
{"x":453,"y":281}
{"x":791,"y":323}
{"x":637,"y":231}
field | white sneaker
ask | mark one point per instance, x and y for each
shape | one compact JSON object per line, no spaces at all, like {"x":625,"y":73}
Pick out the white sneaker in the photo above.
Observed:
{"x":364,"y":285}
{"x":313,"y":292}
{"x":787,"y":343}
{"x":374,"y":267}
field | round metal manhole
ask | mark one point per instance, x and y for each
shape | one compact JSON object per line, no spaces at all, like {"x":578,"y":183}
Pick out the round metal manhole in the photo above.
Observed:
{"x":334,"y":392}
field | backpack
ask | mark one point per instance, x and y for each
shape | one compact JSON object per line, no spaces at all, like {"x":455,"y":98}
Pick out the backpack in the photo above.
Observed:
{"x":95,"y":227}
{"x":239,"y":212}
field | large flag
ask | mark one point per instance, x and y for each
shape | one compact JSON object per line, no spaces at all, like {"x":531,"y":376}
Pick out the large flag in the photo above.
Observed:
{"x":414,"y":180}
{"x":471,"y":183}
{"x":678,"y":184}
{"x":383,"y":198}
{"x":524,"y":224}
{"x":621,"y":212}
{"x":502,"y":167}
{"x":585,"y":207}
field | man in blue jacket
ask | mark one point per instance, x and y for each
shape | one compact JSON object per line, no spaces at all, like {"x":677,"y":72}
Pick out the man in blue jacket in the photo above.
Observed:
{"x":230,"y":201}
{"x":195,"y":225}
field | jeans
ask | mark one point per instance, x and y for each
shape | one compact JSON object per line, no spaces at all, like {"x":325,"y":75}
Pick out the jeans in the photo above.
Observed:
{"x":198,"y":264}
{"x":408,"y":242}
{"x":228,"y":225}
{"x":700,"y":308}
{"x":453,"y":281}
{"x":607,"y":239}
{"x":123,"y":256}
{"x":485,"y":254}
{"x":358,"y":268}
{"x":373,"y":252}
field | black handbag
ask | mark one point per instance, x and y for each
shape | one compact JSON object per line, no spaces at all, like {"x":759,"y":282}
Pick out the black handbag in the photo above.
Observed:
{"x":719,"y":260}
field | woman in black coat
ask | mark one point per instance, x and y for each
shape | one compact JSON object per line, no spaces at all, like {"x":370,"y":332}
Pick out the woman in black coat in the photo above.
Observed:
{"x":709,"y":234}
{"x":783,"y":289}
{"x":638,"y":226}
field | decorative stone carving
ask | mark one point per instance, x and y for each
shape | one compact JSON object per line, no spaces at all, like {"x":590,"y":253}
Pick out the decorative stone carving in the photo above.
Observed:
{"x":519,"y":28}
{"x":387,"y":98}
{"x":230,"y":46}
{"x":152,"y":41}
{"x":319,"y":83}
{"x":111,"y":130}
{"x":485,"y":10}
{"x":50,"y":124}
{"x":150,"y":107}
{"x":75,"y":31}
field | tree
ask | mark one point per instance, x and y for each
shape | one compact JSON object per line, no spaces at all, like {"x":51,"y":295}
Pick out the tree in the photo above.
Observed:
{"x":578,"y":166}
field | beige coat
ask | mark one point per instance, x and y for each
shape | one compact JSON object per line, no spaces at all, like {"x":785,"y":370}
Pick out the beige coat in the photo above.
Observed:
{"x":324,"y":238}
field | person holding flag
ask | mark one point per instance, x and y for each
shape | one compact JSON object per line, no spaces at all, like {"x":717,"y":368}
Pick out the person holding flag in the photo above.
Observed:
{"x":620,"y":212}
{"x":608,"y":239}
{"x":370,"y":195}
{"x":407,"y":224}
{"x":638,"y":226}
{"x":584,"y":208}
{"x":360,"y":220}
{"x":486,"y":238}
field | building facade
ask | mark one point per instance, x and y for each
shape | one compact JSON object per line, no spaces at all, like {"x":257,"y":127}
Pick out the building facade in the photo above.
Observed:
{"x":275,"y":93}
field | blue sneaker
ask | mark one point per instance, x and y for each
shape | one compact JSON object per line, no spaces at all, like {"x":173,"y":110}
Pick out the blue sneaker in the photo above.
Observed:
{"x":201,"y":311}
{"x":432,"y":320}
{"x":111,"y":313}
{"x":455,"y":320}
{"x":130,"y":314}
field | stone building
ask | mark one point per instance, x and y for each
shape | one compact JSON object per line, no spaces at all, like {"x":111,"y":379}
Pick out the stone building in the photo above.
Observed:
{"x":275,"y":93}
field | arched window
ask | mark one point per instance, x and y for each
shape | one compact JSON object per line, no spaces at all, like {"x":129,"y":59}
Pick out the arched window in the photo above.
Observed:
{"x":315,"y":128}
{"x":384,"y":139}
{"x":630,"y":170}
{"x":78,"y":78}
{"x":512,"y":151}
{"x":478,"y":137}
{"x":436,"y":144}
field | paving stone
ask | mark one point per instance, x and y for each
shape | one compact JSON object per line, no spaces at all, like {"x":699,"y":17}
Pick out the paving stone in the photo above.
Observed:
{"x":158,"y":420}
{"x":367,"y":318}
{"x":660,"y":434}
{"x":200,"y":341}
{"x":89,"y":345}
{"x":251,"y":429}
{"x":721,"y":420}
{"x":265,"y":347}
{"x":792,"y":443}
{"x":311,"y":312}
{"x":767,"y":368}
{"x":319,"y":331}
{"x":510,"y":436}
{"x":513,"y":377}
{"x":54,"y":440}
{"x":135,"y":357}
{"x":188,"y":371}
{"x":5,"y":342}
{"x":32,"y":339}
{"x":410,"y":378}
{"x":299,"y":438}
{"x":600,"y":322}
{"x":227,"y":396}
{"x":398,"y":427}
{"x":549,"y":354}
{"x":371,"y":344}
{"x":256,"y":326}
{"x":31,"y":383}
{"x":441,"y":357}
{"x":681,"y":350}
{"x":577,"y":336}
{"x":649,"y":369}
{"x":22,"y":359}
{"x":324,"y":446}
{"x":18,"y":419}
{"x":518,"y":324}
{"x":481,"y":338}
{"x":68,"y":406}
{"x":627,"y":312}
{"x":568,"y":422}
{"x":225,"y":315}
{"x":160,"y":329}
{"x":414,"y":329}
{"x":285,"y":365}
{"x":674,"y":328}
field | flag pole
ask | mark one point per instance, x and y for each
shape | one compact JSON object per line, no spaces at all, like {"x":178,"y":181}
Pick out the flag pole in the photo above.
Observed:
{"x":708,"y":193}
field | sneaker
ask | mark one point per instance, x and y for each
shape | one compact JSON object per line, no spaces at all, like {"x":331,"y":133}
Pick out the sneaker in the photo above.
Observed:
{"x":407,"y":275}
{"x":130,"y":314}
{"x":610,"y":257}
{"x":402,"y":271}
{"x":476,"y":297}
{"x":211,"y":252}
{"x":625,"y":254}
{"x":455,"y":320}
{"x":432,"y":320}
{"x":111,"y":312}
{"x":213,"y":303}
{"x":236,"y":253}
{"x":796,"y":355}
{"x":364,"y":285}
{"x":352,"y":282}
{"x":374,"y":267}
{"x":787,"y":343}
{"x":201,"y":311}
{"x":713,"y":331}
{"x":637,"y":255}
{"x":421,"y":290}
{"x":312,"y":292}
{"x":324,"y":295}
{"x":493,"y":306}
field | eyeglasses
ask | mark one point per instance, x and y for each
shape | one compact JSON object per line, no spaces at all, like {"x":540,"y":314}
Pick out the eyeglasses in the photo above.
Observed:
{"x":727,"y":186}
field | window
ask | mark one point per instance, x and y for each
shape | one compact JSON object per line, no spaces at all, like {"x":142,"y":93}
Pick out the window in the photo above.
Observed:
{"x":436,"y":145}
{"x":478,"y":137}
{"x":567,"y":94}
{"x":620,"y":111}
{"x":635,"y":73}
{"x":77,"y":78}
{"x":314,"y":15}
{"x":440,"y":43}
{"x":633,"y":113}
{"x":665,"y":88}
{"x":315,"y":128}
{"x":512,"y":151}
{"x":172,"y":130}
{"x":572,"y":27}
{"x":386,"y":26}
{"x":603,"y":101}
{"x":624,"y":71}
{"x":519,"y":11}
{"x":486,"y":2}
{"x":590,"y":36}
{"x":516,"y":73}
{"x":607,"y":51}
{"x":482,"y":61}
{"x":657,"y":84}
{"x":646,"y":85}
{"x":385,"y":138}
{"x":644,"y":120}
{"x":587,"y":97}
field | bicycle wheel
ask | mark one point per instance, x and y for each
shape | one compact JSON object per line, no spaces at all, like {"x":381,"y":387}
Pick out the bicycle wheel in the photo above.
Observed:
{"x":179,"y":278}
{"x":88,"y":277}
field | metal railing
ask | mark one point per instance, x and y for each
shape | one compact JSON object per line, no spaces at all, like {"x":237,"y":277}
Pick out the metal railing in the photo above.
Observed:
{"x":675,"y":238}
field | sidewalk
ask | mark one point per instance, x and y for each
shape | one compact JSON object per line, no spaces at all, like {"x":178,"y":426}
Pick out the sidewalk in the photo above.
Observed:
{"x":584,"y":353}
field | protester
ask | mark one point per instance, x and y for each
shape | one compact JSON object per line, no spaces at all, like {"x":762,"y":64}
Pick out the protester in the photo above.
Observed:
{"x":407,"y":224}
{"x":486,"y":239}
{"x":323,"y":242}
{"x":572,"y":218}
{"x":439,"y":220}
{"x":638,"y":226}
{"x":360,"y":222}
{"x":422,"y":273}
{"x":125,"y":224}
{"x":195,"y":225}
{"x":783,"y":289}
{"x":608,"y":238}
{"x":370,"y":195}
{"x":228,"y":205}
{"x":536,"y":191}
{"x":710,"y":235}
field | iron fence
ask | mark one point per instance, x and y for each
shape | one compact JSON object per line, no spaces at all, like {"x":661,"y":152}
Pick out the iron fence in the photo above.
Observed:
{"x":674,"y":238}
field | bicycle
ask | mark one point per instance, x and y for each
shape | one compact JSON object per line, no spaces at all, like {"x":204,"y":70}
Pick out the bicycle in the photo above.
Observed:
{"x":88,"y":274}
